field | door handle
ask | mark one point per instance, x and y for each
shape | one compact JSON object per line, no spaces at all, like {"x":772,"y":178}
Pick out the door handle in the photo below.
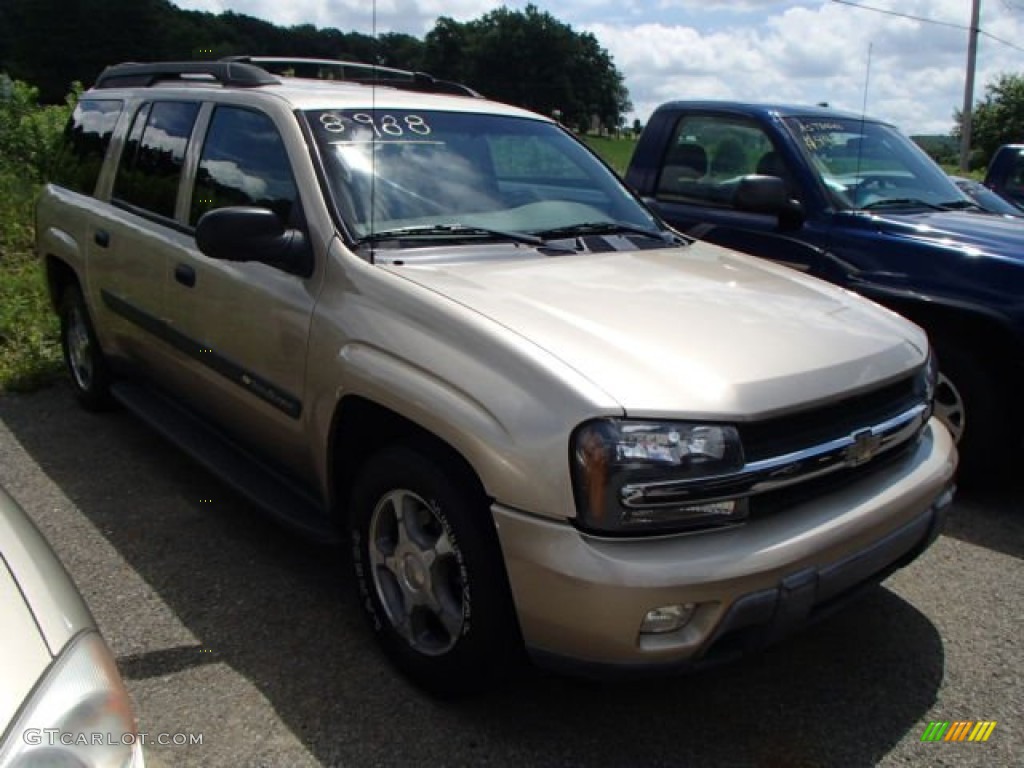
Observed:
{"x":185,"y":275}
{"x":102,"y":238}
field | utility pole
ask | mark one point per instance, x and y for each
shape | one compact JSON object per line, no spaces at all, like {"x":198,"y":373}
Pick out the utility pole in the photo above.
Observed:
{"x":965,"y":115}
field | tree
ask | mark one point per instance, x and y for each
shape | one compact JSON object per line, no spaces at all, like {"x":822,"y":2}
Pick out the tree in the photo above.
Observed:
{"x":29,"y":133}
{"x":999,"y":118}
{"x":527,"y":57}
{"x":530,"y":59}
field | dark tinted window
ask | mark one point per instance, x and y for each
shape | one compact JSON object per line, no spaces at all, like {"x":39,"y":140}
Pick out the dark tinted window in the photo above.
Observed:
{"x":1016,"y":181}
{"x":243,"y":163}
{"x":86,"y":137}
{"x":708,"y":156}
{"x":153,"y":156}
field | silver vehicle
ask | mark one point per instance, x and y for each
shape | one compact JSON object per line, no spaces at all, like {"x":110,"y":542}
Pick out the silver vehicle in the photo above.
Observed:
{"x":62,"y":702}
{"x":440,"y":329}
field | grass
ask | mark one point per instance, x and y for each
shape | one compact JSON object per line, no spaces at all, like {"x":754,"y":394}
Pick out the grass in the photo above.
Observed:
{"x":615,"y":152}
{"x":30,"y":353}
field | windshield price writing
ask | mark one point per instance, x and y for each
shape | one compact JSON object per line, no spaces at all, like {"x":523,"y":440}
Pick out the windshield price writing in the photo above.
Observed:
{"x":382,"y":126}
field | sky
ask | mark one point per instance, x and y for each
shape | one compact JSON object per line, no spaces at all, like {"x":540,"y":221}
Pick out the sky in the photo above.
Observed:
{"x":906,"y":71}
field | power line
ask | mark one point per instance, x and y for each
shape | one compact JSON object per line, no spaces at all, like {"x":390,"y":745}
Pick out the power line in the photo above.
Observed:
{"x":950,"y":24}
{"x":999,"y":40}
{"x":901,"y":15}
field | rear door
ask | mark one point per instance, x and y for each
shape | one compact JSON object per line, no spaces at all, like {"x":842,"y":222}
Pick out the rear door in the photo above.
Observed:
{"x":135,"y":238}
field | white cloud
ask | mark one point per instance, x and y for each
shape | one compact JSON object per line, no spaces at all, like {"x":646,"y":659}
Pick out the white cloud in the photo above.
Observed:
{"x":803,"y":51}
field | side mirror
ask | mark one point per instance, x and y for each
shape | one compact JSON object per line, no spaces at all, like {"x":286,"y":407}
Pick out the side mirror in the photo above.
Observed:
{"x":246,"y":233}
{"x":768,"y":194}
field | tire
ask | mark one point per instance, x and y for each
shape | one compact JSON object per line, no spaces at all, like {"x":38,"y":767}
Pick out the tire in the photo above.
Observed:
{"x":83,"y":357}
{"x":430,"y":574}
{"x":973,"y":404}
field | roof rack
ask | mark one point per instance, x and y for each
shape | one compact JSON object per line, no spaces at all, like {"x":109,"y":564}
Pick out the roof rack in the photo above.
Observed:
{"x":254,"y":71}
{"x":354,"y":72}
{"x":234,"y":73}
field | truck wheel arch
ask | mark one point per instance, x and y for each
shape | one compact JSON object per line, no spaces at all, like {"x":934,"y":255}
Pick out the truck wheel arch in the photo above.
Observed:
{"x":981,"y":348}
{"x":59,"y":275}
{"x":360,"y":427}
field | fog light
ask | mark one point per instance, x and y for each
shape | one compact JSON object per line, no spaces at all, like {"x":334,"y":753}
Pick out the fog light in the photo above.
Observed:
{"x":668,"y":618}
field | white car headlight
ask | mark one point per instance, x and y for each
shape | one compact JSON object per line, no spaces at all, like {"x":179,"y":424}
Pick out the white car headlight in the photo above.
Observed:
{"x":80,"y":715}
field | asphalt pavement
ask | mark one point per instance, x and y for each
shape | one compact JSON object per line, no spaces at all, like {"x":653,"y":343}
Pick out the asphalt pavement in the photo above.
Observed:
{"x":233,"y":631}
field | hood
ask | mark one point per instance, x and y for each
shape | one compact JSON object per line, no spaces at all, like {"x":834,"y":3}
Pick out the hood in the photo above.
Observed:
{"x":696,"y":332}
{"x":984,"y":233}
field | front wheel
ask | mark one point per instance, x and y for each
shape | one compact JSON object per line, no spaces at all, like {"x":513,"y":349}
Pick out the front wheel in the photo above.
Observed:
{"x":972,"y":403}
{"x":430,"y":573}
{"x":82,"y":353}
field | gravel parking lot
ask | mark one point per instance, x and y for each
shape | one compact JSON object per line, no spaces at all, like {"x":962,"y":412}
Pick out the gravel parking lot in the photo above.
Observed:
{"x":227,"y":627}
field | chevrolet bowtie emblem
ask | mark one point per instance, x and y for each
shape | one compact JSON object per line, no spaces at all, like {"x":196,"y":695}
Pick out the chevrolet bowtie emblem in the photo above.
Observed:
{"x":865,"y":445}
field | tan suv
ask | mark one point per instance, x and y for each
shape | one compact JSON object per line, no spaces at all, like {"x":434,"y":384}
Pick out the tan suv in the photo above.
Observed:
{"x":440,"y":329}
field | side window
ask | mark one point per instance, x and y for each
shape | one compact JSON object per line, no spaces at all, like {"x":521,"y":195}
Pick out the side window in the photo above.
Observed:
{"x":243,"y":162}
{"x":153,"y":156}
{"x":1015,"y":181}
{"x":78,"y":161}
{"x":708,"y":155}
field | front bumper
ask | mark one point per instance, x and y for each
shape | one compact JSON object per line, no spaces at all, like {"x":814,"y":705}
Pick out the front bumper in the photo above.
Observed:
{"x":581,"y":599}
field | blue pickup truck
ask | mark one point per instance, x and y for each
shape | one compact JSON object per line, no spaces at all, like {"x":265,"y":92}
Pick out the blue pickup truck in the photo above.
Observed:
{"x":1005,"y":175}
{"x":853,"y":201}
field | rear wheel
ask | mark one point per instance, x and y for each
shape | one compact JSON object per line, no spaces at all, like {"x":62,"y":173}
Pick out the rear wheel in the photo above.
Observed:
{"x":82,"y":354}
{"x":430,"y":572}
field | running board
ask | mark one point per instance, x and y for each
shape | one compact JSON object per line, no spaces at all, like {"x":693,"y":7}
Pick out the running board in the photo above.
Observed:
{"x":252,"y":478}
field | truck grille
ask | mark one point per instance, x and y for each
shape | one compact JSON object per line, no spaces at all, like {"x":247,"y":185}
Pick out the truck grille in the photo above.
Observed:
{"x":795,"y":432}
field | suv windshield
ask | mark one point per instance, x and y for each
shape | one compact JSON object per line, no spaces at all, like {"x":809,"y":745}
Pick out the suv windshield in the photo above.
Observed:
{"x":871,"y":166}
{"x":430,"y":175}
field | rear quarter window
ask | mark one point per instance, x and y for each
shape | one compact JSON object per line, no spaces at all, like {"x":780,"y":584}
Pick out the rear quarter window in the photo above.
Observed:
{"x":84,"y":144}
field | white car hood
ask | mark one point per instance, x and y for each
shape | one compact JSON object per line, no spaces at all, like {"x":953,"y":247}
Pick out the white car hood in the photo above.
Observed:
{"x":700,"y":331}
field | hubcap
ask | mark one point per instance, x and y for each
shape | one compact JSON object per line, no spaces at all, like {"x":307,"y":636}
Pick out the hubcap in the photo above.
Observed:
{"x":949,"y":407}
{"x":79,"y":349}
{"x":416,"y":572}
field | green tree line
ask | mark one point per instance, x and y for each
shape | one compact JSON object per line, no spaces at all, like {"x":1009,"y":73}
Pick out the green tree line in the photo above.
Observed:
{"x":527,"y":58}
{"x":996,"y":119}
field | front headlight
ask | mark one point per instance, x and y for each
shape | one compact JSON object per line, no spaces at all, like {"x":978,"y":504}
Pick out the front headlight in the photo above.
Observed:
{"x":648,"y":477}
{"x":80,"y":716}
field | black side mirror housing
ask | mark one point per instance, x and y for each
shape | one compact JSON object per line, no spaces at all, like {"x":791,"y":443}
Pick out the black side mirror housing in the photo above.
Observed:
{"x":768,"y":194}
{"x":248,"y":233}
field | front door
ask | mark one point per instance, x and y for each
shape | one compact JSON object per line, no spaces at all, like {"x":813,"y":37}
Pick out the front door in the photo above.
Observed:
{"x":708,"y":155}
{"x":245,"y":324}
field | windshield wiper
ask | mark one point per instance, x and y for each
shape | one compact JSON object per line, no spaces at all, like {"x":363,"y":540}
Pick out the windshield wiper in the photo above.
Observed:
{"x":602,"y":228}
{"x":961,"y":205}
{"x":903,"y":202}
{"x":456,"y":231}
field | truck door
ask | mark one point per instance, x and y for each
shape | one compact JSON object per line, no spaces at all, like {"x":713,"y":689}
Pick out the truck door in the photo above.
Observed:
{"x":705,"y":159}
{"x":133,"y":239}
{"x":242,"y":326}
